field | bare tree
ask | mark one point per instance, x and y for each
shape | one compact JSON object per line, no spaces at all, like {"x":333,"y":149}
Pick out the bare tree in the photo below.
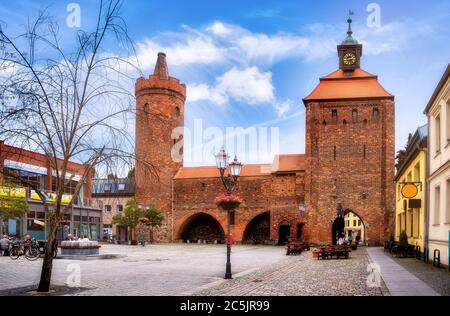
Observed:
{"x":70,"y":106}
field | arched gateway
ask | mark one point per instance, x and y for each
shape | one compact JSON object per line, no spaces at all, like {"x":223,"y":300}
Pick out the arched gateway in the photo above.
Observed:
{"x":258,"y":230}
{"x":202,"y":227}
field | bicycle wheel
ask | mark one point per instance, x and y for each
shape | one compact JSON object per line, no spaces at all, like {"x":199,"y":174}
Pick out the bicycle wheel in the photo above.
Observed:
{"x":32,"y":253}
{"x":14,"y":253}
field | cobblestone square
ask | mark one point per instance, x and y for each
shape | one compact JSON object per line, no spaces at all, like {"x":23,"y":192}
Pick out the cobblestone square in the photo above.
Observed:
{"x":180,"y":269}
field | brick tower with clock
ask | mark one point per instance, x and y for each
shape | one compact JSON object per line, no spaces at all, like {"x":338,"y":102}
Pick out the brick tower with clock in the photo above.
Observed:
{"x":349,"y":159}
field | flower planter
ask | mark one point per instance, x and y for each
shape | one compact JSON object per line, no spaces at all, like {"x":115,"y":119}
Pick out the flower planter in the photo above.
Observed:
{"x":228,"y":206}
{"x":228,"y":202}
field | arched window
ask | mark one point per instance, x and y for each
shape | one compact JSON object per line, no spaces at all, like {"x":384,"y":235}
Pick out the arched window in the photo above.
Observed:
{"x":354,"y":116}
{"x":376,"y":114}
{"x":334,"y":116}
{"x":146,"y":108}
{"x":177,"y":111}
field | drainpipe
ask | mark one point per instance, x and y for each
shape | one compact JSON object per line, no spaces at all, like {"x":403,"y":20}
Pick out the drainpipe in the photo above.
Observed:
{"x":426,"y":208}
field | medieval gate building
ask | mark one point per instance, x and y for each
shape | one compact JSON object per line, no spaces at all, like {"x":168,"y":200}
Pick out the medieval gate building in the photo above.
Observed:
{"x":349,"y":163}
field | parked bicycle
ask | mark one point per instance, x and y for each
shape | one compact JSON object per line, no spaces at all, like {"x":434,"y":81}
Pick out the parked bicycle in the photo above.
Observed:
{"x":28,"y":249}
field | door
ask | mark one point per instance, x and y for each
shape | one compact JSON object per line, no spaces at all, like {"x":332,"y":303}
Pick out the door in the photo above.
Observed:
{"x":284,"y":234}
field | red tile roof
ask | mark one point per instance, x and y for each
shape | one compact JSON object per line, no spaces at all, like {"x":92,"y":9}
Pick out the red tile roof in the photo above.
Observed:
{"x":339,"y":86}
{"x":282,"y":163}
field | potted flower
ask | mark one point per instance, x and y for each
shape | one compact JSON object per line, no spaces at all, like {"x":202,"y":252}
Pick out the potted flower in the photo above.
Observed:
{"x":315,"y":252}
{"x":228,"y":202}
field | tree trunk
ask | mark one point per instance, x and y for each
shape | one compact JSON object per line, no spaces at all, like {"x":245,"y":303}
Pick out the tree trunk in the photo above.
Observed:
{"x":46,"y":272}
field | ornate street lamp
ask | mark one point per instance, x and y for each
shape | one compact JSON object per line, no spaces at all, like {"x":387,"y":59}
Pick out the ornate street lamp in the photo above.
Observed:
{"x":229,"y":181}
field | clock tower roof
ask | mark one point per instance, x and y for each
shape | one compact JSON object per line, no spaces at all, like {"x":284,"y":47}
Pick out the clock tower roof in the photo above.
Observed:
{"x":339,"y":85}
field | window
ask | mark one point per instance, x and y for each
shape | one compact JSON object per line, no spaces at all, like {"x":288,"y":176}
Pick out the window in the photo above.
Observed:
{"x":359,"y":222}
{"x":437,"y":131}
{"x":437,"y":205}
{"x":146,"y":107}
{"x":107,"y":187}
{"x":355,"y":116}
{"x":365,"y":152}
{"x":376,"y":115}
{"x":448,"y":121}
{"x":416,"y":228}
{"x":354,"y":222}
{"x":334,"y":116}
{"x":121,"y":186}
{"x":447,"y":202}
{"x":177,"y":111}
{"x":417,"y":172}
{"x":108,"y":208}
{"x":334,"y":153}
{"x":119,"y":208}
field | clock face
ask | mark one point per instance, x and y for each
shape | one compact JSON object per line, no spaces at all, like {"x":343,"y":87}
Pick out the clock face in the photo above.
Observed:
{"x":349,"y":59}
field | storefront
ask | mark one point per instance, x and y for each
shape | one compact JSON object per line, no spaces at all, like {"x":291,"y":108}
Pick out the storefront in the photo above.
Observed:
{"x":80,"y":220}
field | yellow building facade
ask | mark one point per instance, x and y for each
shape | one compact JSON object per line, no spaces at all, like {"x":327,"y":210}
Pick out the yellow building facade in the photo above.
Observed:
{"x":410,"y":212}
{"x":354,"y":227}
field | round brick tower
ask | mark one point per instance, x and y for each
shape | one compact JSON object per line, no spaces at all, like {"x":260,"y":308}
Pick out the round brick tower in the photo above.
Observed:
{"x":159,"y":110}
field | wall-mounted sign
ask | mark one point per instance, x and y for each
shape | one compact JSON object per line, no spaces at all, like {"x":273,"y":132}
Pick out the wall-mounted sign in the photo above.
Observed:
{"x":409,"y":190}
{"x":415,"y":203}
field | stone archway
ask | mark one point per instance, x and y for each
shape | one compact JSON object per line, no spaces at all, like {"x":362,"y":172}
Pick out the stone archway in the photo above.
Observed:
{"x":348,"y":223}
{"x":258,"y":230}
{"x":200,"y":228}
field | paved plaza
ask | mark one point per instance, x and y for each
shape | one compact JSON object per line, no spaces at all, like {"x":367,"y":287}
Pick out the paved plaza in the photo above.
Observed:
{"x":180,"y":269}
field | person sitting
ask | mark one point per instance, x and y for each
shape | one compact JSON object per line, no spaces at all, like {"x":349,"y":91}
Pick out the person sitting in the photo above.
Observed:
{"x":69,"y":237}
{"x":26,"y":239}
{"x":83,"y":238}
{"x":4,"y":245}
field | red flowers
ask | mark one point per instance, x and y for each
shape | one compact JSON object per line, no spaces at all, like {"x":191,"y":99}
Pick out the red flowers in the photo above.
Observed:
{"x":228,"y":202}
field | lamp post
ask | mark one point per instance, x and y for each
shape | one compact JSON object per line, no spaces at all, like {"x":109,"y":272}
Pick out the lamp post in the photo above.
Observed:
{"x":229,"y":181}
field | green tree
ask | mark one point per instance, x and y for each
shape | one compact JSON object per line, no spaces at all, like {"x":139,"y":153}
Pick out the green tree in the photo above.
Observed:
{"x":129,"y":218}
{"x":155,"y":219}
{"x":11,"y":206}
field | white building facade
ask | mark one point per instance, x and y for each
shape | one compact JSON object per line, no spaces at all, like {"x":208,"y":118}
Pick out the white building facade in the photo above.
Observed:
{"x":438,"y":113}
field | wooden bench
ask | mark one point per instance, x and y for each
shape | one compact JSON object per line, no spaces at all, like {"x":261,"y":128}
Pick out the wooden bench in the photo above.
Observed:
{"x":296,"y":247}
{"x":330,"y":251}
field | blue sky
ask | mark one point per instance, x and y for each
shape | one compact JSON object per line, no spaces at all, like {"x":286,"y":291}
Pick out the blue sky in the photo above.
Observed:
{"x":250,"y":63}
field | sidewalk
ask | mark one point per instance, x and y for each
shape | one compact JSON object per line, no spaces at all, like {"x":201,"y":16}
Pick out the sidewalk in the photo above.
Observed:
{"x":398,"y":280}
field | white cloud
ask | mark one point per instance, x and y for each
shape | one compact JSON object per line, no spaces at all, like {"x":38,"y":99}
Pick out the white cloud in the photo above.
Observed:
{"x":248,"y":85}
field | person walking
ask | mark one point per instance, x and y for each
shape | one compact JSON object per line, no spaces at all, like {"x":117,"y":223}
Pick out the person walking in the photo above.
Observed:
{"x":350,"y":239}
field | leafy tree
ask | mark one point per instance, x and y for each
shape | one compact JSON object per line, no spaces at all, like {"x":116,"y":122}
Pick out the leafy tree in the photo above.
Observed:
{"x":129,"y":218}
{"x":402,"y":153}
{"x":155,"y":218}
{"x":11,"y":206}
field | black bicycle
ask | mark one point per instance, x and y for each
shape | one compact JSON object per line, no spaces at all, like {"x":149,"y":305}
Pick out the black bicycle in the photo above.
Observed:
{"x":29,"y":250}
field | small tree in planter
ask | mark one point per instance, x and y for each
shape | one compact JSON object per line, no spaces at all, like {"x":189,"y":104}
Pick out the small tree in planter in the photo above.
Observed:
{"x":129,"y":218}
{"x":153,"y":217}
